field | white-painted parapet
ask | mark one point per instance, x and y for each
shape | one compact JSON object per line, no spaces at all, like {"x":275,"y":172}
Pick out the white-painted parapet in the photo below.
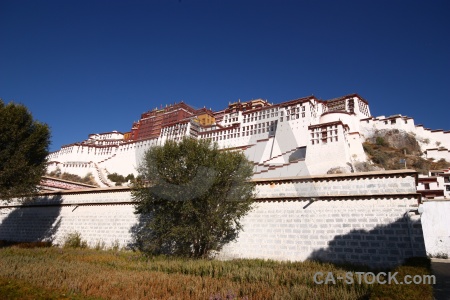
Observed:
{"x":338,"y":185}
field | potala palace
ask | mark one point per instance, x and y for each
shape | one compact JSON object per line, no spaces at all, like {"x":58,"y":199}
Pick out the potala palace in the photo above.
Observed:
{"x":306,"y":136}
{"x":312,"y":201}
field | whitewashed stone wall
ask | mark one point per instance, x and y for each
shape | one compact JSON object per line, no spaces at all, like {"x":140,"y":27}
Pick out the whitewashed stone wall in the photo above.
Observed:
{"x":104,"y":216}
{"x":436,"y":226}
{"x":377,"y":232}
{"x":367,"y":219}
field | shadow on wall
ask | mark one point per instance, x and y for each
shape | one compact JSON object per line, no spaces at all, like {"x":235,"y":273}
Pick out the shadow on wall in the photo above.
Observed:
{"x":35,"y":220}
{"x":140,"y":234}
{"x":382,"y":247}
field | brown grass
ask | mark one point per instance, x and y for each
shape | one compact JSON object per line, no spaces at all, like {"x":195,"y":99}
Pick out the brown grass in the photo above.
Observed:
{"x":120,"y":275}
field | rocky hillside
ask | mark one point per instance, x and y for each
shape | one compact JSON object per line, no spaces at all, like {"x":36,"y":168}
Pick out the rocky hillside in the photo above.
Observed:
{"x":395,"y":149}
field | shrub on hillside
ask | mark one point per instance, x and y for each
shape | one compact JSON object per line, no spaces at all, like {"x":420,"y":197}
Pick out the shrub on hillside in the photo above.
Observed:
{"x":88,"y":179}
{"x":120,"y":179}
{"x":381,"y":142}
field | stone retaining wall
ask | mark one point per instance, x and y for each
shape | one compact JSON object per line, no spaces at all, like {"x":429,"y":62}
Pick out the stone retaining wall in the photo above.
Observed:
{"x":367,"y":218}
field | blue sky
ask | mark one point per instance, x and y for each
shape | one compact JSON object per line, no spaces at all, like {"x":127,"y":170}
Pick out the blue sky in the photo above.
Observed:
{"x":94,"y":66}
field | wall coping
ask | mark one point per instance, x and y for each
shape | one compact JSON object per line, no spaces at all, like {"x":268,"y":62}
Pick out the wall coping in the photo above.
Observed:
{"x":87,"y":190}
{"x":436,"y":200}
{"x":279,"y":180}
{"x":388,"y":173}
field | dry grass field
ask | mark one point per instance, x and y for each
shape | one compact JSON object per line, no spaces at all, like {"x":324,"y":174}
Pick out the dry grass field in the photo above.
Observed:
{"x":66,"y":273}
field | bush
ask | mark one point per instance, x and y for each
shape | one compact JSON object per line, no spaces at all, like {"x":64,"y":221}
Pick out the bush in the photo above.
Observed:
{"x":73,"y":240}
{"x":100,"y":245}
{"x":115,"y":246}
{"x":88,"y":179}
{"x":381,"y":142}
{"x":119,"y":179}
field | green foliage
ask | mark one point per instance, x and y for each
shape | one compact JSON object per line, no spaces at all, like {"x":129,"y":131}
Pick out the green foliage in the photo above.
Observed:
{"x":119,"y":179}
{"x":74,"y":240}
{"x":191,"y":197}
{"x":130,"y":177}
{"x":116,"y":177}
{"x":24,"y":146}
{"x":381,"y":142}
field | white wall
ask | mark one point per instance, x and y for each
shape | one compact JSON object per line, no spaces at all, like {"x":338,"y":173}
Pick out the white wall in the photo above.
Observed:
{"x":436,"y":226}
{"x":379,"y":232}
{"x":365,"y":219}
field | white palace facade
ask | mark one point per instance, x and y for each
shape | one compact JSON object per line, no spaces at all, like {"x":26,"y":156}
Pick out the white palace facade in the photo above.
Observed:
{"x":306,"y":136}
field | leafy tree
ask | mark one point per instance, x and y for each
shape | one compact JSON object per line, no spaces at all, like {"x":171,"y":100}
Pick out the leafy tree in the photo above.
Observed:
{"x":24,"y":146}
{"x":191,"y":197}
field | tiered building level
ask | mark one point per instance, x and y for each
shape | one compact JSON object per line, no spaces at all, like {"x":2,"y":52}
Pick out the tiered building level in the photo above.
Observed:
{"x":305,"y":136}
